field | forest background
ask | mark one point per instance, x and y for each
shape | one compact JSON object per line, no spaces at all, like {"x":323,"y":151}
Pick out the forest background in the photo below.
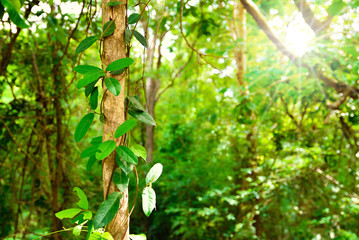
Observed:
{"x":255,"y":105}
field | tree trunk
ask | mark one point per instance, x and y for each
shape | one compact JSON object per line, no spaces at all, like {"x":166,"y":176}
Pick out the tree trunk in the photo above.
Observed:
{"x":239,"y":34}
{"x":114,"y":112}
{"x":152,"y":87}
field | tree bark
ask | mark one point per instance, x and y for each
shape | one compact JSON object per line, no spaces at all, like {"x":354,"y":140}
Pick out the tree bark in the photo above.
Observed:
{"x":152,"y":87}
{"x":239,"y":33}
{"x":114,"y":112}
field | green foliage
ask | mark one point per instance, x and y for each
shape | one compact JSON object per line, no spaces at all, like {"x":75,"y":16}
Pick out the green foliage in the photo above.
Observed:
{"x":83,"y":126}
{"x":113,"y":86}
{"x":85,"y":44}
{"x":12,"y":8}
{"x":140,"y":38}
{"x":119,"y":64}
{"x":90,"y":77}
{"x":109,"y":28}
{"x":105,"y":149}
{"x":139,"y":151}
{"x":133,"y":18}
{"x":126,"y":154}
{"x":154,"y":173}
{"x":125,"y":127}
{"x":107,"y":210}
{"x":68,"y":213}
{"x":83,"y":203}
{"x":148,"y":200}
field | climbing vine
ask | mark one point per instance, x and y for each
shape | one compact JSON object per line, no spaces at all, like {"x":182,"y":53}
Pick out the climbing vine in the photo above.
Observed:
{"x":83,"y":217}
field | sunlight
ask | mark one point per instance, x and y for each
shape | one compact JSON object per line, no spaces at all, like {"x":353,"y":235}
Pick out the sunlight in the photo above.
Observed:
{"x":298,"y":36}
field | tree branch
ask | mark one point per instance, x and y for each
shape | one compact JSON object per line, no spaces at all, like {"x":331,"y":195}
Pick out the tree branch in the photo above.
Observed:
{"x":339,"y":86}
{"x":309,"y":17}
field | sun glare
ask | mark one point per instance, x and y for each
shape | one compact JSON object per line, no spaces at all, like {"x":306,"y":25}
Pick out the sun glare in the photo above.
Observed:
{"x":298,"y":37}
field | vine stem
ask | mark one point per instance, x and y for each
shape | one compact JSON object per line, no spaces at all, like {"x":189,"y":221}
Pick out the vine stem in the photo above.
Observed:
{"x":59,"y":231}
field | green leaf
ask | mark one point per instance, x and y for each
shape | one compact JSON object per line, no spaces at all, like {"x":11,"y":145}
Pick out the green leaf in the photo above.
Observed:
{"x":107,"y":236}
{"x":109,"y":28}
{"x":83,"y":126}
{"x":107,"y":210}
{"x":83,"y":203}
{"x":82,"y":69}
{"x":128,"y":34}
{"x":336,"y":7}
{"x":87,"y":215}
{"x":16,"y":4}
{"x":94,"y":99}
{"x":138,"y":236}
{"x":113,"y":86}
{"x":90,"y":229}
{"x":121,"y":180}
{"x":125,"y":166}
{"x":119,"y":64}
{"x":154,"y":173}
{"x":2,"y":10}
{"x":113,"y":3}
{"x":148,"y":200}
{"x":90,"y":77}
{"x":96,"y":141}
{"x":85,"y":44}
{"x":135,"y":104}
{"x":88,"y":152}
{"x":144,"y":117}
{"x":118,"y":72}
{"x":125,"y":127}
{"x":140,"y":38}
{"x":126,"y":154}
{"x":77,"y":230}
{"x":139,"y":151}
{"x":68,"y":213}
{"x":14,"y":16}
{"x":105,"y":148}
{"x":90,"y":163}
{"x":133,"y":18}
{"x":102,"y":118}
{"x":89,"y":88}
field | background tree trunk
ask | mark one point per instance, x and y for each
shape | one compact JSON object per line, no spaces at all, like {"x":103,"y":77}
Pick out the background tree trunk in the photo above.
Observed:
{"x":114,"y":111}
